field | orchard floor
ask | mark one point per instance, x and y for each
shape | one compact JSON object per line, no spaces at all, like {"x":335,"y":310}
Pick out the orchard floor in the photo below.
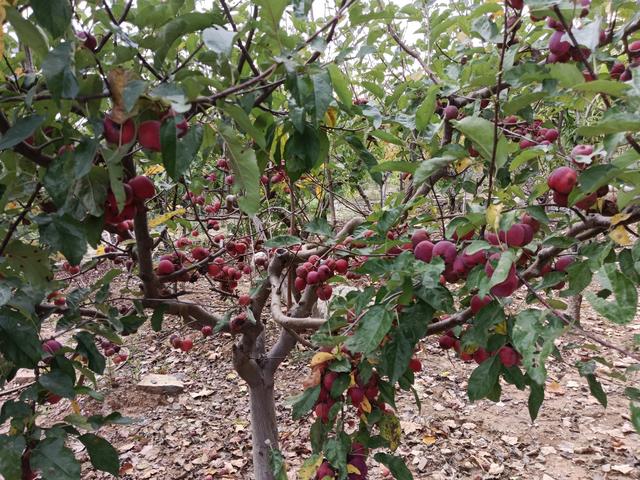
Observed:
{"x":205,"y":430}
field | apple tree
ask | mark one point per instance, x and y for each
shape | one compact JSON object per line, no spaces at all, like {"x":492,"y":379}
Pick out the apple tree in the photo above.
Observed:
{"x":354,"y":178}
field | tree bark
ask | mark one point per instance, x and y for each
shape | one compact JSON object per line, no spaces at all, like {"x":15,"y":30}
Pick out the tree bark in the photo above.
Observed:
{"x":264,"y":428}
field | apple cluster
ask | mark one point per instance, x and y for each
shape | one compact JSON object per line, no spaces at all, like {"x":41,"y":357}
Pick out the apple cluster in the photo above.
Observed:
{"x":529,"y":135}
{"x":356,"y":465}
{"x":184,"y":344}
{"x":136,"y":190}
{"x":147,"y":134}
{"x":315,"y":272}
{"x":564,"y":179}
{"x":508,"y":356}
{"x":111,"y":349}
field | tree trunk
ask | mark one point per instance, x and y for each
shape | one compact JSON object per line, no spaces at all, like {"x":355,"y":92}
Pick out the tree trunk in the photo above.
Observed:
{"x":263,"y":426}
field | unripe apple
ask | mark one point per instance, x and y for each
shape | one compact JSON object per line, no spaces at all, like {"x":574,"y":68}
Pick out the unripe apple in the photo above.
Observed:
{"x":560,"y":199}
{"x":341,"y":266}
{"x":299,"y":283}
{"x":415,"y":365}
{"x":508,"y":356}
{"x":516,"y":236}
{"x":186,"y":345}
{"x":418,"y":236}
{"x":222,"y":164}
{"x":446,"y":250}
{"x":88,"y":40}
{"x":480,"y":355}
{"x":324,"y":471}
{"x":616,"y":70}
{"x":450,"y":112}
{"x":149,"y":135}
{"x":322,"y":411}
{"x":356,"y":394}
{"x":563,"y":262}
{"x":562,"y":180}
{"x":51,"y":346}
{"x":324,"y":292}
{"x":117,"y":134}
{"x":200,"y":253}
{"x":424,"y":251}
{"x":142,"y":187}
{"x":478,"y":303}
{"x":165,"y":267}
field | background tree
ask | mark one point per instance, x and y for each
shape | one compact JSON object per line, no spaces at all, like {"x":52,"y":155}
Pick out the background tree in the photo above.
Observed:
{"x":178,"y":143}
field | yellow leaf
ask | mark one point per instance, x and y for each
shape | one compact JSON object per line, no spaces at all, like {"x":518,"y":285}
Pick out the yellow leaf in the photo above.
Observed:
{"x":75,"y":407}
{"x":352,"y":379}
{"x":118,"y":79}
{"x":321,"y":357}
{"x":428,"y":439}
{"x":493,"y":216}
{"x":309,"y":467}
{"x":462,"y":164}
{"x":352,"y":469}
{"x":365,"y":406}
{"x":331,"y":117}
{"x":100,"y":250}
{"x":159,"y":220}
{"x":621,"y":236}
{"x":390,"y":430}
{"x":619,"y":217}
{"x":501,"y":328}
{"x":555,"y":387}
{"x":153,"y":170}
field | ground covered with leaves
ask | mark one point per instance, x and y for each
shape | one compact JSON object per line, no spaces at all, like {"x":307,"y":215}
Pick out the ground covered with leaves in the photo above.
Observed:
{"x":205,"y":429}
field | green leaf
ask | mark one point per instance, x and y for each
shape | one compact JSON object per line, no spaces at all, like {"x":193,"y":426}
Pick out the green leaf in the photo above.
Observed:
{"x":11,"y":448}
{"x":635,"y":416}
{"x":595,"y":387}
{"x":19,"y":342}
{"x":372,"y":328}
{"x":427,"y":108}
{"x":536,"y":397}
{"x":610,"y":87}
{"x":65,"y":234}
{"x":304,"y":402}
{"x":245,"y":124}
{"x":278,"y":464}
{"x":301,"y":152}
{"x":27,"y":32}
{"x":567,"y":74}
{"x":481,"y":133}
{"x":157,"y":317}
{"x":340,"y":85}
{"x":54,"y":460}
{"x":523,"y":101}
{"x":53,"y":15}
{"x":501,"y":271}
{"x":271,"y":11}
{"x":365,"y":155}
{"x":319,"y":226}
{"x":178,"y":154}
{"x":282,"y":241}
{"x":322,"y":94}
{"x":21,"y":130}
{"x":132,"y":92}
{"x":218,"y":40}
{"x":102,"y":454}
{"x":395,"y":167}
{"x":169,"y":33}
{"x":534,"y":340}
{"x":58,"y":382}
{"x":87,"y":347}
{"x":245,"y":169}
{"x":59,"y":71}
{"x":428,"y":167}
{"x":623,"y":309}
{"x":396,"y":466}
{"x":387,"y":137}
{"x":612,"y":123}
{"x":484,"y":378}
